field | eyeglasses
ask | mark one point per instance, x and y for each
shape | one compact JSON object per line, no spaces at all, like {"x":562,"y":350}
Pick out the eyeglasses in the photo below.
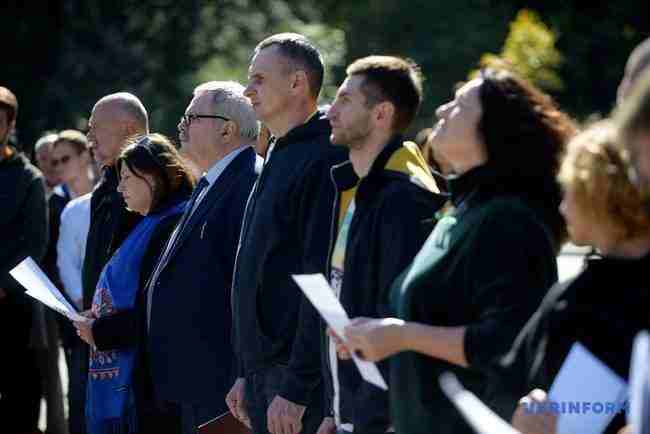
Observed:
{"x":188,"y":119}
{"x":63,"y":160}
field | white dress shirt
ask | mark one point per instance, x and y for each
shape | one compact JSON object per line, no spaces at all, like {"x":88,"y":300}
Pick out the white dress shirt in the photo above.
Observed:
{"x":71,"y":247}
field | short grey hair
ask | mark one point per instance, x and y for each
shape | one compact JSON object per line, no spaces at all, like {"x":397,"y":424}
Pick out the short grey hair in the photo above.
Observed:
{"x":45,"y":140}
{"x":228,"y":100}
{"x":131,"y":106}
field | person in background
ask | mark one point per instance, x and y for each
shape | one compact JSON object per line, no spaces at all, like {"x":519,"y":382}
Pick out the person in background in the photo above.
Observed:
{"x":45,"y":335}
{"x":24,"y":218}
{"x":156,"y":184}
{"x":463,"y":300}
{"x":43,"y":157}
{"x":605,"y":210}
{"x":72,"y":162}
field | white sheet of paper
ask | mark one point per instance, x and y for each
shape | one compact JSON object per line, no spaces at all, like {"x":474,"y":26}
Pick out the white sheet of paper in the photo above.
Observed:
{"x":478,"y":415}
{"x":583,"y":378}
{"x":640,"y":384}
{"x":321,"y":295}
{"x":40,"y":287}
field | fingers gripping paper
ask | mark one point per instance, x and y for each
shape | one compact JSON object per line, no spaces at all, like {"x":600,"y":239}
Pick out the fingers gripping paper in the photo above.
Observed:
{"x":38,"y":286}
{"x":321,"y":295}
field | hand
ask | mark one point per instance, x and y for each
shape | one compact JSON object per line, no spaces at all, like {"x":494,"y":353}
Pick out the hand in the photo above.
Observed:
{"x":531,"y":417}
{"x":341,"y":349}
{"x":327,"y":426}
{"x":375,"y":339}
{"x":284,"y":417}
{"x":85,"y":331}
{"x":235,"y":399}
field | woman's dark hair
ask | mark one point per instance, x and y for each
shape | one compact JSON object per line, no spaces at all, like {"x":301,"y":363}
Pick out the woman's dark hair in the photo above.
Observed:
{"x":155,"y":155}
{"x":525,"y":135}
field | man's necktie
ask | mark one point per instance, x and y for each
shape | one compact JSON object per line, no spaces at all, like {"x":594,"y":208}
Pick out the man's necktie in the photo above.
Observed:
{"x":171,"y":244}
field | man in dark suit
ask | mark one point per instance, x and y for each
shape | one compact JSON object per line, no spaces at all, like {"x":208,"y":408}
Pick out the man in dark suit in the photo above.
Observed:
{"x":188,"y":296}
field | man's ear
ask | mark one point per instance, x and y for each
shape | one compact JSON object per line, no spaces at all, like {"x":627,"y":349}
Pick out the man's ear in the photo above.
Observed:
{"x":228,"y":131}
{"x":299,"y":82}
{"x":384,"y":113}
{"x":12,"y":127}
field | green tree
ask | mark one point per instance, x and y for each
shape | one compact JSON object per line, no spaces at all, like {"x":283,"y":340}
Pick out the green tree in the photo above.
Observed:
{"x":529,"y":50}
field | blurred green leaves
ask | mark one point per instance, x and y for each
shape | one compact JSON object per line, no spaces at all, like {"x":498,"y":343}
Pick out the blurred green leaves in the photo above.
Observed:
{"x":529,"y":50}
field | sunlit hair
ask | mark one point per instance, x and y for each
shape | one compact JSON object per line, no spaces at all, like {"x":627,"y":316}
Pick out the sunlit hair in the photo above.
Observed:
{"x":8,"y":103}
{"x":228,"y":100}
{"x":596,"y":170}
{"x":75,"y":138}
{"x":525,"y":134}
{"x":154,"y":155}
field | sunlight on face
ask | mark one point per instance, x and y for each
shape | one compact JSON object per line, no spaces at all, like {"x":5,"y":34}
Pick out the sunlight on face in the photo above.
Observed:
{"x":136,"y":189}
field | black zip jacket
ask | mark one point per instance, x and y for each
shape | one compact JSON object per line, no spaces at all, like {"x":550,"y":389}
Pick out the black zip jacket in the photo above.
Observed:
{"x":395,"y":205}
{"x":110,"y":224}
{"x":284,"y":232}
{"x":23,"y":217}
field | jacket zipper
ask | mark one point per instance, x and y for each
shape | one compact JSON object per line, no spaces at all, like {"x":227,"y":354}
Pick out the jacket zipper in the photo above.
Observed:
{"x":331,"y":348}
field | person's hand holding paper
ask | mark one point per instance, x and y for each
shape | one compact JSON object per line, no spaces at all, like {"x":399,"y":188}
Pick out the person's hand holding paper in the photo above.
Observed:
{"x":321,"y":295}
{"x":38,"y":286}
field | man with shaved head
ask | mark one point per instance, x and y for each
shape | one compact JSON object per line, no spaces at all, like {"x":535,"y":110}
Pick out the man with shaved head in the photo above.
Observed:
{"x":113,"y":120}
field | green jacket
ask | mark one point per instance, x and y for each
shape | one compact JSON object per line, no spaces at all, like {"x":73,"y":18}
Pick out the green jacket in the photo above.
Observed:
{"x":487,"y":267}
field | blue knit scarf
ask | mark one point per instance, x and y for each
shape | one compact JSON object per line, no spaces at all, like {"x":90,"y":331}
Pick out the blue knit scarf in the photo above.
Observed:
{"x":110,"y":406}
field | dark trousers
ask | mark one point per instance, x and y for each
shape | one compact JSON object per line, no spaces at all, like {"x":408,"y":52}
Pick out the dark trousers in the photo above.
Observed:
{"x":20,"y":381}
{"x":263,"y":386}
{"x":76,"y":360}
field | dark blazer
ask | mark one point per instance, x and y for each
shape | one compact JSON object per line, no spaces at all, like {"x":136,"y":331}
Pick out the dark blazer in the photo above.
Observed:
{"x":191,"y":357}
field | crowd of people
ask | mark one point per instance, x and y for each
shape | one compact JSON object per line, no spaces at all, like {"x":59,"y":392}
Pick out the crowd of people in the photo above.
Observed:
{"x":443,"y":252}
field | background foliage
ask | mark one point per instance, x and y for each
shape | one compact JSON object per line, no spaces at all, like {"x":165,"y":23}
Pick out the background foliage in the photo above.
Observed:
{"x":62,"y":55}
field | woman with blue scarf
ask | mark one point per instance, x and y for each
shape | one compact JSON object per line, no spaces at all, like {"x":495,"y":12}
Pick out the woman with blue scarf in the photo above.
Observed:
{"x":155,"y":183}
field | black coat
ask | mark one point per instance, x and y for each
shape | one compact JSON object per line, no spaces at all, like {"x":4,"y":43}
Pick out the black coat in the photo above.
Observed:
{"x":285,"y":232}
{"x":603,"y":308}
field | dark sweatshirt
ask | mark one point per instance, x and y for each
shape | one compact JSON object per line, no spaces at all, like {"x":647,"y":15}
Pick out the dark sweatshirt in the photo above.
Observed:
{"x":23,"y":216}
{"x":285,"y":232}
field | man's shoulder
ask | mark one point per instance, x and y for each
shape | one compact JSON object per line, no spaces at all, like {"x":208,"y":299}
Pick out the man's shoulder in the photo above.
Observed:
{"x":21,"y":166}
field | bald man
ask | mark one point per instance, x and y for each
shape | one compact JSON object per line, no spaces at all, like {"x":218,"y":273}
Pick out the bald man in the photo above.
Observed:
{"x":113,"y":120}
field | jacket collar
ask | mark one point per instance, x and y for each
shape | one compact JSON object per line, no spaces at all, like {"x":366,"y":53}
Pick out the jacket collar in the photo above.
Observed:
{"x":317,"y":125}
{"x":345,"y":177}
{"x":466,"y":187}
